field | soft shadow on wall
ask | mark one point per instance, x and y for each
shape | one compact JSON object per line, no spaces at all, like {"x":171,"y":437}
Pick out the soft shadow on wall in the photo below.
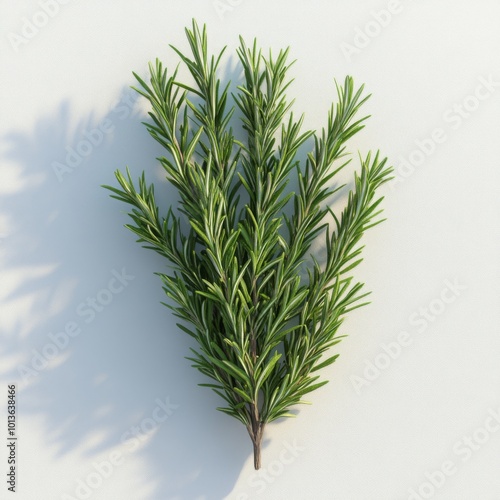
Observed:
{"x":94,"y":353}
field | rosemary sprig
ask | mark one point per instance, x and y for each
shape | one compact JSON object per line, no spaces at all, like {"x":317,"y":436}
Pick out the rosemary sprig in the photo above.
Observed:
{"x":262,"y":326}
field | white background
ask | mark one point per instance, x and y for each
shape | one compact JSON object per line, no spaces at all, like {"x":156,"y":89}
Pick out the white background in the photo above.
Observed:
{"x":383,"y":426}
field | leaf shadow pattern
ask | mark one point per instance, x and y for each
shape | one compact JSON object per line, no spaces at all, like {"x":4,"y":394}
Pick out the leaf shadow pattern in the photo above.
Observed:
{"x":84,"y":336}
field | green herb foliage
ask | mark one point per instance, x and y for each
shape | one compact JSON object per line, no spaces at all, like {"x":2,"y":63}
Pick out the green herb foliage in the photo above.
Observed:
{"x":263,"y":326}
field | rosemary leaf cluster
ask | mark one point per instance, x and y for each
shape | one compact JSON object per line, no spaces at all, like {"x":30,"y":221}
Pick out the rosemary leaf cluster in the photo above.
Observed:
{"x":263,"y":326}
